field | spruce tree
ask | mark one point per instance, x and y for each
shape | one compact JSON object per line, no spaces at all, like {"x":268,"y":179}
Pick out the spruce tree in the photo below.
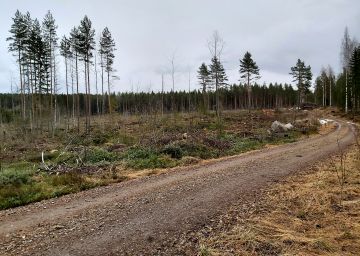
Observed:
{"x":302,"y":75}
{"x":248,"y":71}
{"x":354,"y":68}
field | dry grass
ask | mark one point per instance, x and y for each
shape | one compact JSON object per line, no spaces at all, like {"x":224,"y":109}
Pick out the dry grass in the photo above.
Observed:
{"x":302,"y":216}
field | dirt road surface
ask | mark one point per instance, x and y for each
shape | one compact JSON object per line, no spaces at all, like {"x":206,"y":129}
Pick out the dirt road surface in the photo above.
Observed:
{"x":150,"y":215}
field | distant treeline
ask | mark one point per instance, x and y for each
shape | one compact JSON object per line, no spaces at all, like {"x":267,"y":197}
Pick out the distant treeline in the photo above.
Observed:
{"x":232,"y":97}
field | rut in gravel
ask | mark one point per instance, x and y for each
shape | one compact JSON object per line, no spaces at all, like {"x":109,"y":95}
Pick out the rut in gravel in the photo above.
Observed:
{"x":148,"y":216}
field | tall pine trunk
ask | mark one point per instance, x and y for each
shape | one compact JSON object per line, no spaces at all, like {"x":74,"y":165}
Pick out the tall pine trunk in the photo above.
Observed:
{"x":102,"y":85}
{"x":72,"y":90}
{"x":89,"y":94}
{"x":217,"y":96}
{"x":96,"y":88}
{"x":346,"y":90}
{"x":249,"y":90}
{"x":86,"y":97}
{"x":55,"y":94}
{"x":109,"y":96}
{"x":77,"y":92}
{"x":51,"y":90}
{"x":22,"y":89}
{"x":67,"y":94}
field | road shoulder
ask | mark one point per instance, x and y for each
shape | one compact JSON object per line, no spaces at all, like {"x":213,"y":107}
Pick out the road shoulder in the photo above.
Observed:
{"x":305,"y":214}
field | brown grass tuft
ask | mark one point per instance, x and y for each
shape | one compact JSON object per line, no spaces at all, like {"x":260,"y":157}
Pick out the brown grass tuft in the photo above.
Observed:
{"x":301,"y":216}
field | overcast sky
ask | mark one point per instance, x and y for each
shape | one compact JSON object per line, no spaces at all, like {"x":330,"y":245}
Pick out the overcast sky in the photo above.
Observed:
{"x":148,"y":32}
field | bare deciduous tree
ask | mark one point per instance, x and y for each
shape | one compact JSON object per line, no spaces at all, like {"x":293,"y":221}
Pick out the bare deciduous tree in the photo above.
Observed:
{"x":218,"y":75}
{"x":216,"y":45}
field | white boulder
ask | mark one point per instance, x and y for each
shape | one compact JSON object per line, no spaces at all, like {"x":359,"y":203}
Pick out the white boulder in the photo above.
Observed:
{"x":276,"y":126}
{"x":289,"y":126}
{"x":325,"y":121}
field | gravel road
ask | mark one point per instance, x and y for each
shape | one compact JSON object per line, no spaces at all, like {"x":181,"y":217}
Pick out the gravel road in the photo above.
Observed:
{"x":150,"y":215}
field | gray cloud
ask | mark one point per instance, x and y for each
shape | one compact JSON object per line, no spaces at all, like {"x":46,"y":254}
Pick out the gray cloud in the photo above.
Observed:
{"x":276,"y":32}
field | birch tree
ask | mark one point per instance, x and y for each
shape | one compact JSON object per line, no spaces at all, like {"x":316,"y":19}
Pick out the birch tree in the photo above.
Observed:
{"x":347,"y":47}
{"x":218,"y":75}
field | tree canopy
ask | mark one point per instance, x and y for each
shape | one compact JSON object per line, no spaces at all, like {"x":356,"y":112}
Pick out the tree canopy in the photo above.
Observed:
{"x":303,"y":76}
{"x":249,"y":70}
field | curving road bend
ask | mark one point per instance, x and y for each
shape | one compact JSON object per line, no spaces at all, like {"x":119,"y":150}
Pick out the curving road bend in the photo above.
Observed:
{"x":146,"y":216}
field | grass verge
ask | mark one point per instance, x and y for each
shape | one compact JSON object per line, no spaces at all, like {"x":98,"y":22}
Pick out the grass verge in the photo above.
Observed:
{"x":21,"y":184}
{"x":305,"y":215}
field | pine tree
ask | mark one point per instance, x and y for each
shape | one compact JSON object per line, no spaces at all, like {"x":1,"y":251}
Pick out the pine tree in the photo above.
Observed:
{"x":302,"y":75}
{"x":96,"y":85}
{"x":102,"y":66}
{"x":249,"y":71}
{"x":65,"y":51}
{"x":29,"y":41}
{"x":87,"y":45}
{"x":27,"y":55}
{"x":19,"y":32}
{"x":35,"y":56}
{"x":218,"y":78}
{"x":204,"y":81}
{"x":76,"y":48}
{"x":107,"y":49}
{"x":49,"y":32}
